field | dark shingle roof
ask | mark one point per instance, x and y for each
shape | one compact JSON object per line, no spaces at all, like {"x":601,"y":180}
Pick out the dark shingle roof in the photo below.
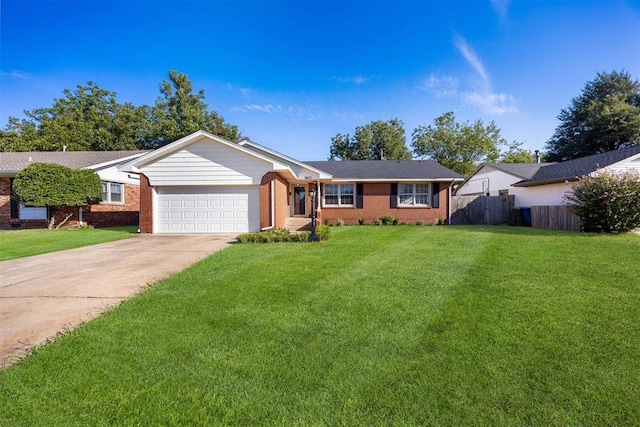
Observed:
{"x":12,"y":163}
{"x":523,"y":170}
{"x":576,"y":168}
{"x":385,"y":169}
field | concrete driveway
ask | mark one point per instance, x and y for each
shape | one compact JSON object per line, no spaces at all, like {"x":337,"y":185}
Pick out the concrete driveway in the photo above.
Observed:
{"x":44,"y":295}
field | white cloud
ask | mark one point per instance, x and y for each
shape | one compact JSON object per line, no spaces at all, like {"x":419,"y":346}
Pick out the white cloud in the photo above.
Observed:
{"x":443,"y":86}
{"x":490,"y":103}
{"x":471,"y":57}
{"x":15,"y":74}
{"x":358,"y":80}
{"x":482,"y":96}
{"x":246,"y":91}
{"x":501,"y":7}
{"x":293,"y":111}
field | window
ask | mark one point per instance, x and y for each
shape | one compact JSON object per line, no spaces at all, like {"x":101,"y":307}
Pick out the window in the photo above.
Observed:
{"x":339,"y":194}
{"x":413,"y":194}
{"x":112,"y":192}
{"x":33,"y":212}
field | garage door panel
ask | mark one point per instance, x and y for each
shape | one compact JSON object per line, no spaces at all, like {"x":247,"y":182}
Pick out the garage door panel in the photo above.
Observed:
{"x":208,"y":210}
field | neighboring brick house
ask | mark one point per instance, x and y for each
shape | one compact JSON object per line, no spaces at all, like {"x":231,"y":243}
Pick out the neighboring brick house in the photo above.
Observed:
{"x":205,"y":184}
{"x":121,"y":191}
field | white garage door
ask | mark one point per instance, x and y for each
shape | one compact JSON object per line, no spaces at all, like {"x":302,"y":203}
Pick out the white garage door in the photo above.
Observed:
{"x":208,"y":209}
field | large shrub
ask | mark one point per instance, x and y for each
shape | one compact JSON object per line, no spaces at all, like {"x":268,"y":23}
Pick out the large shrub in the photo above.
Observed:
{"x":52,"y":185}
{"x":607,"y":202}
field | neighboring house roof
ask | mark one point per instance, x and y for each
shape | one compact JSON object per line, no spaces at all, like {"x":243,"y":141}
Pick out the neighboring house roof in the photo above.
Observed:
{"x":522,"y":170}
{"x":385,"y":170}
{"x":12,"y":163}
{"x":573,"y":169}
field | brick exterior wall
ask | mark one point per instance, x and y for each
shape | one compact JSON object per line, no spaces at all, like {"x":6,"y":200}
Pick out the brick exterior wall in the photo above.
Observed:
{"x":100,"y":215}
{"x":281,"y":200}
{"x":376,"y":204}
{"x":146,"y":205}
{"x":5,"y":202}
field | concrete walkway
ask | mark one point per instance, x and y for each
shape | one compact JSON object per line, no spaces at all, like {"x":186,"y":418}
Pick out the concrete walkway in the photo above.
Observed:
{"x":45,"y":295}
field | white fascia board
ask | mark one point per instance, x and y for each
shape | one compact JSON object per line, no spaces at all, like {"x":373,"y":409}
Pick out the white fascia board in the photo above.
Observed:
{"x":137,"y":164}
{"x":110,"y":163}
{"x":394,"y":180}
{"x":283,"y":157}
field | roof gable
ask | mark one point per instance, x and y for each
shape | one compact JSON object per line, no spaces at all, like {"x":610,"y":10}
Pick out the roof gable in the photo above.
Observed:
{"x":182,"y":143}
{"x":520,"y":170}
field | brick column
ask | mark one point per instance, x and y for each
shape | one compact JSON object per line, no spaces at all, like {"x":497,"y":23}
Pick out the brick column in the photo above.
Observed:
{"x":146,"y":205}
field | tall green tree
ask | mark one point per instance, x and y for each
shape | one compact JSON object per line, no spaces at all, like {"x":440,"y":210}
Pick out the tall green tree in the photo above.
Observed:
{"x":374,"y":141}
{"x":605,"y":117}
{"x":19,"y":135}
{"x":179,"y":112}
{"x":88,"y":118}
{"x":517,"y":154}
{"x":54,"y":186}
{"x":458,"y":146}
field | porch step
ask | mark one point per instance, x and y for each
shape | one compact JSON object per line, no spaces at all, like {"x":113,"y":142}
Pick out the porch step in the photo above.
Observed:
{"x":296,"y":225}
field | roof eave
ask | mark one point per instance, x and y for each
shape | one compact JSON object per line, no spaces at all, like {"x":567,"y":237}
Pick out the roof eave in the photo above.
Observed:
{"x":543,"y":182}
{"x":379,"y":180}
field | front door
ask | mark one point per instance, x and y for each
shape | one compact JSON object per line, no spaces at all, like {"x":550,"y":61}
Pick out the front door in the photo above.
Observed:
{"x":299,"y":203}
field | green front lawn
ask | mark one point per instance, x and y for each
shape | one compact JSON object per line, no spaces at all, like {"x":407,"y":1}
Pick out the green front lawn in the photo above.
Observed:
{"x":376,"y":326}
{"x":22,"y":243}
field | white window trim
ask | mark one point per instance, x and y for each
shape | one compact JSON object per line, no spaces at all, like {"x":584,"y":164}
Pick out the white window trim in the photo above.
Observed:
{"x":414,"y":194}
{"x":108,"y":199}
{"x":339,"y":204}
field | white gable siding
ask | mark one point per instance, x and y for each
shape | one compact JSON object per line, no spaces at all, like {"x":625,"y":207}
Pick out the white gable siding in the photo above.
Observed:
{"x":207,"y":163}
{"x":488,"y":180}
{"x":626,"y":165}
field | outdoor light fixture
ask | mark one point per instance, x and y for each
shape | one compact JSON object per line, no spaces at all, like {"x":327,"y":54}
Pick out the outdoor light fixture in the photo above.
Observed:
{"x":313,"y":237}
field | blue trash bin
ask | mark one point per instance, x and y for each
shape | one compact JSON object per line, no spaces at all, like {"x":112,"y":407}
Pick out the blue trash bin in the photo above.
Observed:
{"x":526,"y":214}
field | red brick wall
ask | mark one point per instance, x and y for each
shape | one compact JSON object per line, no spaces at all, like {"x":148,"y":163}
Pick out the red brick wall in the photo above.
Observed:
{"x":113,"y":214}
{"x":146,"y":205}
{"x":377,"y":205}
{"x":281,"y":197}
{"x":5,"y":202}
{"x":281,"y":201}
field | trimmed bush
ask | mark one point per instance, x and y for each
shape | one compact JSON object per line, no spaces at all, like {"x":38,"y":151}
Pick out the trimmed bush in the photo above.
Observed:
{"x":607,"y":202}
{"x":282,"y":235}
{"x":388,"y":220}
{"x":323,"y":232}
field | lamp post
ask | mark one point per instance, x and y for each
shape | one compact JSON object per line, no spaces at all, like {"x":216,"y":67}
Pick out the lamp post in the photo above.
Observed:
{"x":313,"y":237}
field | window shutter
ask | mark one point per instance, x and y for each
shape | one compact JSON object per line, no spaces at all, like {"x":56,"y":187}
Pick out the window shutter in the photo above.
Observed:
{"x":359,"y":196}
{"x":435,"y":195}
{"x":394,"y":196}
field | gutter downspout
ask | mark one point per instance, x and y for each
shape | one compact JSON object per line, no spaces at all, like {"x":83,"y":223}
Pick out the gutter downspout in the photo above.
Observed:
{"x":273,"y":207}
{"x":449,"y":203}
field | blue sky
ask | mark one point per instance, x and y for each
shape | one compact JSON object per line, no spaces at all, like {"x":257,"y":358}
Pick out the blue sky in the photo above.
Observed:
{"x":293,"y":74}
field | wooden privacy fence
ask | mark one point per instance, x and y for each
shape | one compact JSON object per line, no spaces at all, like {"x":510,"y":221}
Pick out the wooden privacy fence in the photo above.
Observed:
{"x":482,"y":210}
{"x":554,"y":218}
